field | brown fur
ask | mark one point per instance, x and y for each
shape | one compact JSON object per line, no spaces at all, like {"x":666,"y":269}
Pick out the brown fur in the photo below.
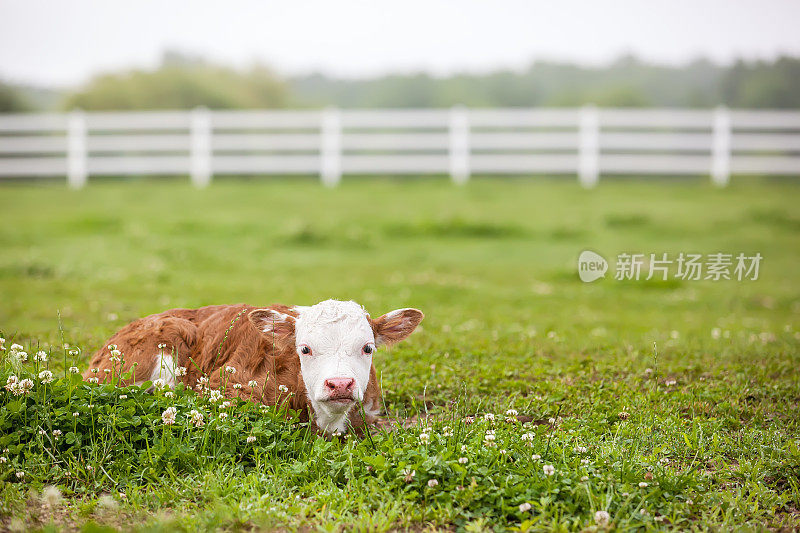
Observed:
{"x":208,"y":339}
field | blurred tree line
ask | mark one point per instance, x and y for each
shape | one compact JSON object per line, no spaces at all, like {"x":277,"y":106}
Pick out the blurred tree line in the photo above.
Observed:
{"x":183,"y":81}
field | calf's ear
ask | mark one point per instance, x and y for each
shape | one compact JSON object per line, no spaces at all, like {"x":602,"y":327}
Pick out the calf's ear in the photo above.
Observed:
{"x":273,"y":324}
{"x":396,"y":325}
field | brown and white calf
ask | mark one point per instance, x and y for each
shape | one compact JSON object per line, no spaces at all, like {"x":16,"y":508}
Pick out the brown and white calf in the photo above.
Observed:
{"x":317,"y":359}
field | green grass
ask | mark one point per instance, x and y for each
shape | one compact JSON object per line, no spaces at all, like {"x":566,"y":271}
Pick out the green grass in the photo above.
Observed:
{"x":508,"y":326}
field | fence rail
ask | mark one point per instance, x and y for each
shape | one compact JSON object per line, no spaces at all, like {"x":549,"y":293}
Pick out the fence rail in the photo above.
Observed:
{"x":461,"y":142}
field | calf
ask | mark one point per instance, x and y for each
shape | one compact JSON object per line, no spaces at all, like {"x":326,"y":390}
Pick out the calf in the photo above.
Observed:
{"x":316,"y":359}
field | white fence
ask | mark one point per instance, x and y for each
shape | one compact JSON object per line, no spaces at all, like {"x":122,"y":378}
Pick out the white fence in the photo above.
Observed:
{"x":461,"y":142}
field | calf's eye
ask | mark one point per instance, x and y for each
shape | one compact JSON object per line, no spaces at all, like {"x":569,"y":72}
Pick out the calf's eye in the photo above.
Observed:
{"x":305,"y":350}
{"x":368,"y":349}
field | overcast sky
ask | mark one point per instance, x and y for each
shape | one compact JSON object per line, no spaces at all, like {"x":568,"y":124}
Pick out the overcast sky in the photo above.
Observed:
{"x":63,"y":42}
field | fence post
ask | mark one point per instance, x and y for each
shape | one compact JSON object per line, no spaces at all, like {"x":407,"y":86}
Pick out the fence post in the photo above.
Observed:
{"x":77,"y":165}
{"x":459,"y":145}
{"x":589,"y":147}
{"x":721,"y":147}
{"x":201,"y":153}
{"x":330,"y":154}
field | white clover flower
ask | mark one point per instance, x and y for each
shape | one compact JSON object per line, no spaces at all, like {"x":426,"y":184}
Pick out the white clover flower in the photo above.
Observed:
{"x":670,"y":382}
{"x":180,"y":371}
{"x":45,"y":376}
{"x":512,"y":412}
{"x":536,"y":457}
{"x":584,"y":478}
{"x":408,"y":475}
{"x":230,"y":370}
{"x":237,"y":386}
{"x":432,"y":483}
{"x":25,"y":386}
{"x":642,"y":484}
{"x":601,"y":518}
{"x":551,"y":421}
{"x":161,"y":345}
{"x":624,"y":415}
{"x":503,"y":452}
{"x":115,"y":353}
{"x":464,"y":447}
{"x":524,"y":507}
{"x":73,"y":370}
{"x":11,"y":381}
{"x":215,"y":396}
{"x":489,"y":437}
{"x":549,"y":470}
{"x":648,"y":371}
{"x":22,"y":356}
{"x":123,"y":396}
{"x":197,"y":418}
{"x":168,"y":416}
{"x":169,"y":394}
{"x":689,"y":502}
{"x":95,"y":370}
{"x":283,"y":388}
{"x":223,"y":417}
{"x":643,"y":512}
{"x":16,"y":348}
{"x":447,"y":431}
{"x":159,"y":384}
{"x":527,"y":436}
{"x":463,"y":460}
{"x":252,"y":383}
{"x":107,"y":370}
{"x":580,"y":449}
{"x":3,"y":459}
{"x":20,"y":475}
{"x":224,"y":405}
{"x":76,"y":414}
{"x":110,"y":346}
{"x":424,"y":438}
{"x":585,"y":461}
{"x":489,"y":417}
{"x":41,"y":355}
{"x":251,"y":439}
{"x":93,"y":380}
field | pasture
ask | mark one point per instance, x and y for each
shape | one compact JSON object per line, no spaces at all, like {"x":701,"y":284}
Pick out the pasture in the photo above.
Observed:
{"x":666,"y":404}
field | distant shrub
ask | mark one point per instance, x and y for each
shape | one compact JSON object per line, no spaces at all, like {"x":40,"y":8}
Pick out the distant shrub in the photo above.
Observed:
{"x":181,"y":83}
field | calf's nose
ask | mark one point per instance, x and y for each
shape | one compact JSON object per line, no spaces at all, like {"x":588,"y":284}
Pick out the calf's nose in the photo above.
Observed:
{"x":340,"y":387}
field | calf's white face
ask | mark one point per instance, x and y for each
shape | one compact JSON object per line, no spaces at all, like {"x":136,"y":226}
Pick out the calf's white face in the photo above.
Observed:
{"x":335,"y":342}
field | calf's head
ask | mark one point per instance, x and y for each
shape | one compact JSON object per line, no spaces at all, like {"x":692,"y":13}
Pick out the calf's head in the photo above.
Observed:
{"x":335,"y":342}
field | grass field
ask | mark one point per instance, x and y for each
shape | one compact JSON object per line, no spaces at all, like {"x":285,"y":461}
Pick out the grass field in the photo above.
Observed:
{"x":667,"y":404}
